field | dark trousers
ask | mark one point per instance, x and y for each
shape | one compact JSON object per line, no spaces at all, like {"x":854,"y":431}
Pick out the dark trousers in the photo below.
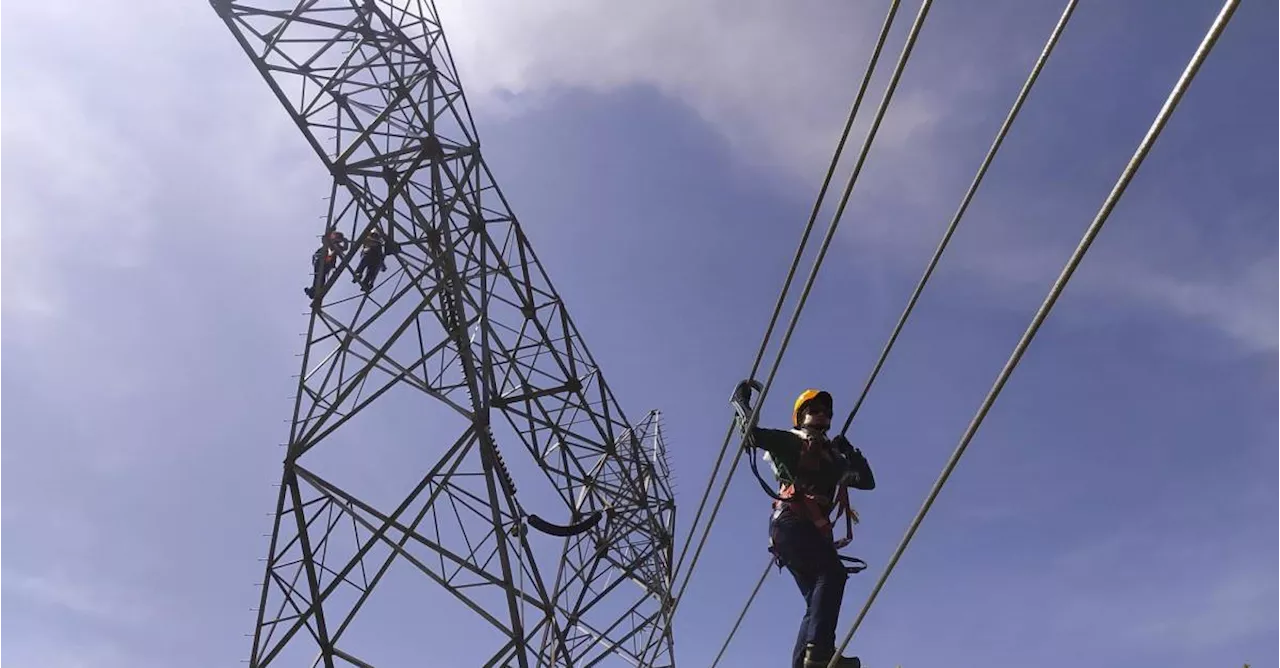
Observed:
{"x":367,"y":270}
{"x":320,"y":273}
{"x":814,"y":563}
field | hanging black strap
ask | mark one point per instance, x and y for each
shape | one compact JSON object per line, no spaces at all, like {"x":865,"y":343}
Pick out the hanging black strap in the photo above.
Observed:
{"x":854,"y":565}
{"x":567,"y":530}
{"x":741,"y":402}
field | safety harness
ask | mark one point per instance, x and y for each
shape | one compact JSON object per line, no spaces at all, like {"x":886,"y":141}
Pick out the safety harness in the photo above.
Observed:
{"x":815,"y":455}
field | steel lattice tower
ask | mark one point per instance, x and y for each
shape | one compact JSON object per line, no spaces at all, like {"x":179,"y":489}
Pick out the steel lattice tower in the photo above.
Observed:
{"x":463,"y":325}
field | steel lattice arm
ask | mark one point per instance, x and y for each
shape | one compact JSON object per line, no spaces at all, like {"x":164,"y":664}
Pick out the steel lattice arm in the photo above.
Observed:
{"x":465,"y":318}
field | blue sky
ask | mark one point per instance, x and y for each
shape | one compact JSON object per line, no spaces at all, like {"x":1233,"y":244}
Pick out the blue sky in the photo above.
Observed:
{"x":1118,"y":505}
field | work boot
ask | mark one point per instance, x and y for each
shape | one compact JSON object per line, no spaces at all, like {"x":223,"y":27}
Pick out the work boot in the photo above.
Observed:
{"x":814,"y":658}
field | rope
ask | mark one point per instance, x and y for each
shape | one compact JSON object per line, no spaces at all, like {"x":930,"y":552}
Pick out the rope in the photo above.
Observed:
{"x":743,"y":614}
{"x":822,"y":252}
{"x":795,"y":263}
{"x":946,"y":238}
{"x":964,"y":206}
{"x":1210,"y":38}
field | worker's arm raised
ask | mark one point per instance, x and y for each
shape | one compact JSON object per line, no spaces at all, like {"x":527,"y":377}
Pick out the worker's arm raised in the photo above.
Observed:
{"x":858,"y":475}
{"x":773,"y":441}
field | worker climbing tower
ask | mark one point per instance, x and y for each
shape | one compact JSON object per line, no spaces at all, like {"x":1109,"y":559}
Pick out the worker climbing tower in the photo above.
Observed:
{"x":533,"y":502}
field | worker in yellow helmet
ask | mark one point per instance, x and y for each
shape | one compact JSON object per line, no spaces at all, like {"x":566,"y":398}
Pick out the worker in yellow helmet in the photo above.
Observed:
{"x":814,"y":474}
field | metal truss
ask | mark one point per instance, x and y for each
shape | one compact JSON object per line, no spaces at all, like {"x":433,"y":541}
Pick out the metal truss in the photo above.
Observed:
{"x":464,"y":327}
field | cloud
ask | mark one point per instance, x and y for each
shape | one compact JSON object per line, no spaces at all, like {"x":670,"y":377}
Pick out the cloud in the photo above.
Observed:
{"x":81,"y":185}
{"x":1235,"y":295}
{"x":155,"y":187}
{"x":1241,"y":304}
{"x":84,"y":199}
{"x":111,"y":135}
{"x":46,"y":651}
{"x":1233,"y":606}
{"x":776,"y":82}
{"x":107,"y":130}
{"x":146,"y":185}
{"x":96,"y":601}
{"x":1134,"y":588}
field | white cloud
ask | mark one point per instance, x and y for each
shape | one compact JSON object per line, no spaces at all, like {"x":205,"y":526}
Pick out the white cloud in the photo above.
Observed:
{"x":105,"y":131}
{"x":1150,"y":591}
{"x":85,"y":196}
{"x":90,"y":600}
{"x":80,"y":188}
{"x":1241,"y":304}
{"x":774,"y":80}
{"x":1234,"y":605}
{"x":47,"y":651}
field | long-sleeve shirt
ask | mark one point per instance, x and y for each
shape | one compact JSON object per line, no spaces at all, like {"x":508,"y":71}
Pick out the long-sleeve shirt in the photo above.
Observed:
{"x":822,"y":475}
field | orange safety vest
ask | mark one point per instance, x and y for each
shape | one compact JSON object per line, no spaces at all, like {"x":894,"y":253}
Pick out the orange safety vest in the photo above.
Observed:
{"x":815,"y":507}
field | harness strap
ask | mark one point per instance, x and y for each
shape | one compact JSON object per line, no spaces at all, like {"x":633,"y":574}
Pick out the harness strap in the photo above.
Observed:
{"x":854,"y":565}
{"x":788,"y":493}
{"x":810,"y":508}
{"x":850,"y":516}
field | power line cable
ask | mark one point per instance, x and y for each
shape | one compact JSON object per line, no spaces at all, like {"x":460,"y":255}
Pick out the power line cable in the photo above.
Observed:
{"x":795,"y":263}
{"x":743,"y":614}
{"x":1180,"y":88}
{"x":964,"y":205}
{"x":933,"y":262}
{"x":826,"y":244}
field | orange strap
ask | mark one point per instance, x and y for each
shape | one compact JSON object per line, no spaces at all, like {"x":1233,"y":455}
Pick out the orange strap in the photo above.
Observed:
{"x":850,"y":516}
{"x":810,"y":508}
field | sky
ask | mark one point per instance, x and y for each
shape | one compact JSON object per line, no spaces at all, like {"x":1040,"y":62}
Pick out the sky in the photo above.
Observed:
{"x":1118,"y":505}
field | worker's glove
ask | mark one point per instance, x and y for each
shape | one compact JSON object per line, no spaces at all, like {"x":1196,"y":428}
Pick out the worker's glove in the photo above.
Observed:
{"x":844,"y":447}
{"x":854,"y":461}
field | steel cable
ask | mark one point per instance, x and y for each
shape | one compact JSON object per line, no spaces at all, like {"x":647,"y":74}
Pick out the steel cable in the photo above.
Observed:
{"x":1144,"y":147}
{"x":826,"y":244}
{"x":946,"y":238}
{"x":795,"y":263}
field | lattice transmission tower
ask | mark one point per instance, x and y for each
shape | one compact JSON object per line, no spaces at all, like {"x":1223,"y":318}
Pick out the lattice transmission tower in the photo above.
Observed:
{"x":464,"y":332}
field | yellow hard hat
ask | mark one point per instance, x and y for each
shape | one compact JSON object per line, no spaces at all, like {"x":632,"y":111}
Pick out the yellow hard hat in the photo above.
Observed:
{"x":805,"y":398}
